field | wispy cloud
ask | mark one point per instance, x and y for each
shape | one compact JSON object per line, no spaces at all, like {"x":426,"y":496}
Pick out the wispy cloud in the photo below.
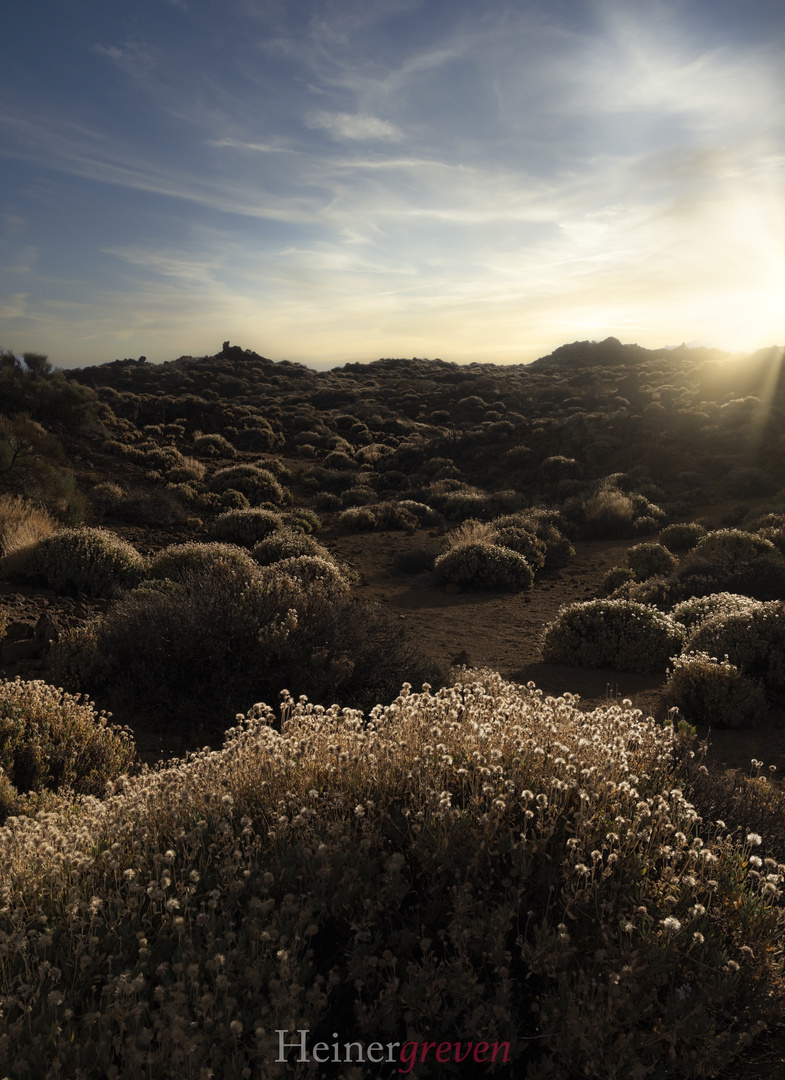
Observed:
{"x":346,"y":126}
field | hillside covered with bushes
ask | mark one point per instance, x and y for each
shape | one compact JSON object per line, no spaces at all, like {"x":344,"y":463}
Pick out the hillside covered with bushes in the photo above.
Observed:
{"x":190,"y":866}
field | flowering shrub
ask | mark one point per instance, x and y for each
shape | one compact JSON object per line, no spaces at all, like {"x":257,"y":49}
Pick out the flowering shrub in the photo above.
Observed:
{"x":481,"y":860}
{"x":73,"y":561}
{"x":258,"y":485}
{"x":288,"y":544}
{"x":682,"y":536}
{"x":177,"y":561}
{"x":485,"y":566}
{"x":51,"y":740}
{"x":621,"y":633}
{"x":246,"y":527}
{"x":714,"y":692}
{"x":694,"y":612}
{"x":649,"y":560}
{"x":753,"y":640}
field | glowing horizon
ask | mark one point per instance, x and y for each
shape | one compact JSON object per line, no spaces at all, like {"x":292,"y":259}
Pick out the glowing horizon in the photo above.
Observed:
{"x":390,"y":178}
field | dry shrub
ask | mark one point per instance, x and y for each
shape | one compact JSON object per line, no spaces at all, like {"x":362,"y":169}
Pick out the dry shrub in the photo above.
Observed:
{"x":479,"y":863}
{"x":682,"y":536}
{"x":187,"y":470}
{"x":22,"y":524}
{"x":469,"y":532}
{"x":608,"y":514}
{"x":257,"y":484}
{"x":50,"y":740}
{"x":752,"y":639}
{"x":288,"y":543}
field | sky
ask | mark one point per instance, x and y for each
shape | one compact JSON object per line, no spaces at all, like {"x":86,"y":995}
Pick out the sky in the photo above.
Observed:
{"x":327,"y":181}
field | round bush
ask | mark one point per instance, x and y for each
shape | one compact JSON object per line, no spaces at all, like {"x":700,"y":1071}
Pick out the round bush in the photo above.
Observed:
{"x":178,"y":561}
{"x":619,"y":633}
{"x":258,"y":485}
{"x":246,"y":527}
{"x":753,"y":640}
{"x":358,"y":519}
{"x":288,"y":544}
{"x":523,"y":541}
{"x":310,"y":569}
{"x":485,"y":566}
{"x":214,"y":446}
{"x":303,"y":519}
{"x":52,"y":740}
{"x":714,"y":692}
{"x":735,"y":544}
{"x":616,"y":577}
{"x":682,"y":536}
{"x":649,"y":560}
{"x":84,"y":560}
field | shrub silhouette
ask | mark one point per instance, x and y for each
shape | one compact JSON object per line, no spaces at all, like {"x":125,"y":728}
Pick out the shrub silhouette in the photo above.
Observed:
{"x":485,"y":566}
{"x":229,"y":635}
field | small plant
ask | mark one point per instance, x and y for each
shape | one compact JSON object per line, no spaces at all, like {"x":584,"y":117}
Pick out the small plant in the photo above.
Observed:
{"x":92,"y":561}
{"x":619,"y":633}
{"x":714,"y":692}
{"x":485,"y":566}
{"x":649,"y":560}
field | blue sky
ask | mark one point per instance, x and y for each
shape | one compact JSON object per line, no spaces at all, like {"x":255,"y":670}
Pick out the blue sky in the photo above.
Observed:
{"x":339,"y":180}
